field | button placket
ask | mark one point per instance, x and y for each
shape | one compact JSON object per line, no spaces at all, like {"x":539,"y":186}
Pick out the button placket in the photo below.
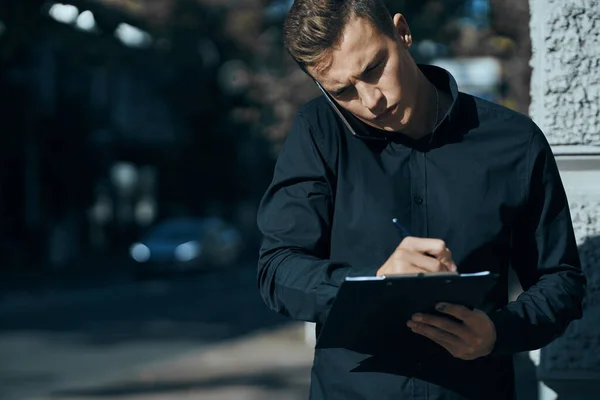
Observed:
{"x":418,"y":176}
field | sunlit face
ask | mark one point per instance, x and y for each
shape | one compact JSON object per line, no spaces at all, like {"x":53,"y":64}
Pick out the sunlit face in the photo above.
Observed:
{"x":372,"y":75}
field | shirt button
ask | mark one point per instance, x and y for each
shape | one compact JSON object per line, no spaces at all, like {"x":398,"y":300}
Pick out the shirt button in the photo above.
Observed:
{"x":418,"y":199}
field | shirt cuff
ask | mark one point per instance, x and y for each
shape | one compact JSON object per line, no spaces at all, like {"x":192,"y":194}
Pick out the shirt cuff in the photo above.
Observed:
{"x":361,"y":270}
{"x":507,"y":333}
{"x":327,"y":292}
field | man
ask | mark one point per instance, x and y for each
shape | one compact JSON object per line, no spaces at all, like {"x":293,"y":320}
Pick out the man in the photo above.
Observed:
{"x":460,"y":173}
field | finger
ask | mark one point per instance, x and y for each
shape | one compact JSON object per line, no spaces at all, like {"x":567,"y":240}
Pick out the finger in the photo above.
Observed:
{"x":434,"y":247}
{"x":401,"y":270}
{"x":434,"y":333}
{"x":426,"y":263}
{"x":444,"y":324}
{"x":447,"y":260}
{"x":444,"y":339}
{"x":459,"y":312}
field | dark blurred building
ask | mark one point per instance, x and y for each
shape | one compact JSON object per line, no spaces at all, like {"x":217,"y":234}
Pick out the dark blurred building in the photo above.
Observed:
{"x":111,"y":121}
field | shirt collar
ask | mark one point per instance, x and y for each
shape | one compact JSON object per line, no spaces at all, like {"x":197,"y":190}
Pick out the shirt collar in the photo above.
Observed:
{"x":444,"y":82}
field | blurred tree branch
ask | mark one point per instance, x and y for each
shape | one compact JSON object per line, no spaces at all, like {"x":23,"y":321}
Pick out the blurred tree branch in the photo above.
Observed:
{"x":510,"y":21}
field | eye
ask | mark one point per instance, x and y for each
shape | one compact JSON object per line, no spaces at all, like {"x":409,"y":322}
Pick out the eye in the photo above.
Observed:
{"x":371,"y":71}
{"x":374,"y":67}
{"x":344,"y":93}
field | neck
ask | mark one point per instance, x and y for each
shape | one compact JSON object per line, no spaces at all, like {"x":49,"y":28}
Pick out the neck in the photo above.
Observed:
{"x":428,"y":110}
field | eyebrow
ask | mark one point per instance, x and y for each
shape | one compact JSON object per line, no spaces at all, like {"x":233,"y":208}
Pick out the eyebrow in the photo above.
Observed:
{"x":374,"y":61}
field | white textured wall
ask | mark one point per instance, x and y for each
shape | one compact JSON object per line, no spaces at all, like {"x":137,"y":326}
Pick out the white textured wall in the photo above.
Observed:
{"x":565,"y":91}
{"x":565,"y":84}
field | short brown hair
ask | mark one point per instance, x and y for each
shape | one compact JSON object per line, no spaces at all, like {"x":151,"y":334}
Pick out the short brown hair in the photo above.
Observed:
{"x":314,"y":27}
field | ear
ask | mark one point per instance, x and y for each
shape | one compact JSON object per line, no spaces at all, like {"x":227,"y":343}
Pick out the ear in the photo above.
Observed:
{"x":402,"y":30}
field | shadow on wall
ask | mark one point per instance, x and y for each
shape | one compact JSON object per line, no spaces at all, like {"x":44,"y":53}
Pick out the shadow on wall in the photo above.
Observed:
{"x":571,"y":365}
{"x":575,"y":349}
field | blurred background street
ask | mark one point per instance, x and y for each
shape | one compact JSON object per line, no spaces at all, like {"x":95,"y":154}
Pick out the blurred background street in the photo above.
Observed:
{"x":138,"y":137}
{"x":208,"y":334}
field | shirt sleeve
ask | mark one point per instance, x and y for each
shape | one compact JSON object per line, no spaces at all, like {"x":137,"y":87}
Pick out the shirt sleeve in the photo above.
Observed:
{"x":545,"y":257}
{"x":295,"y":276}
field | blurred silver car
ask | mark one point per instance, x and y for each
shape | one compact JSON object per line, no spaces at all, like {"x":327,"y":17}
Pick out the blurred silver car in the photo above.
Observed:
{"x":185,"y":244}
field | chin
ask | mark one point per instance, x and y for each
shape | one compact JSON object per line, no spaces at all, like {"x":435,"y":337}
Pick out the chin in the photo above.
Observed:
{"x":385,"y":128}
{"x":388,"y":127}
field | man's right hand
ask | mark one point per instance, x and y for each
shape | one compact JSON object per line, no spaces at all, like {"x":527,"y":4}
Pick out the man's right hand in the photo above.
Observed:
{"x":418,"y":255}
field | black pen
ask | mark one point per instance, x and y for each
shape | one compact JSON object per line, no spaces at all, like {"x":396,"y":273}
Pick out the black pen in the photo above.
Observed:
{"x":404,"y":233}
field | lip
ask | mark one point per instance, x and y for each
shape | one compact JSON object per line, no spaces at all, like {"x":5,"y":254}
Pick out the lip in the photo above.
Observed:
{"x":387,"y":112}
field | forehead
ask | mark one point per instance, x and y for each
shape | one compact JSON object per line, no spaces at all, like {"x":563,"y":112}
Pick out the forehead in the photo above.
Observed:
{"x":360,"y":43}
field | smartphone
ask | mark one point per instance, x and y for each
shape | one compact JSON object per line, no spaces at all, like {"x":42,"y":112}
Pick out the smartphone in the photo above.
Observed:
{"x":353,"y":125}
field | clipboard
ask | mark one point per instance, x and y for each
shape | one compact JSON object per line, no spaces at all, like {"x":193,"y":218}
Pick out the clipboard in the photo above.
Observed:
{"x":370,"y":313}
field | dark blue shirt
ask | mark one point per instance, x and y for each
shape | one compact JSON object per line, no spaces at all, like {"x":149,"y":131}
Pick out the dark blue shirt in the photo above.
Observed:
{"x":485,"y":182}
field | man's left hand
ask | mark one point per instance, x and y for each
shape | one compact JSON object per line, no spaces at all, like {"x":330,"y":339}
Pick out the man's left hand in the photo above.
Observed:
{"x":470,"y":339}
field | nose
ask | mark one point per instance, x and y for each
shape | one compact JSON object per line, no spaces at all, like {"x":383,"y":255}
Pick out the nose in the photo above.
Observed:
{"x":372,"y":98}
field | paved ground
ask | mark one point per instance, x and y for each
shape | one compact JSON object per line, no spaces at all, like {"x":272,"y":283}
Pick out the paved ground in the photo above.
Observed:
{"x":268,"y":365}
{"x":53,"y":342}
{"x":207,"y":337}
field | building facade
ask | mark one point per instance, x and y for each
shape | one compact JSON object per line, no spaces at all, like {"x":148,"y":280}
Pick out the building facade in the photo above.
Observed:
{"x":565,"y":103}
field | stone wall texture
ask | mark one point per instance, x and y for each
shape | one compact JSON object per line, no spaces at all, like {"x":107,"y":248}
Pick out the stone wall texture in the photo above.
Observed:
{"x":565,"y":83}
{"x":565,"y":90}
{"x":578,"y":350}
